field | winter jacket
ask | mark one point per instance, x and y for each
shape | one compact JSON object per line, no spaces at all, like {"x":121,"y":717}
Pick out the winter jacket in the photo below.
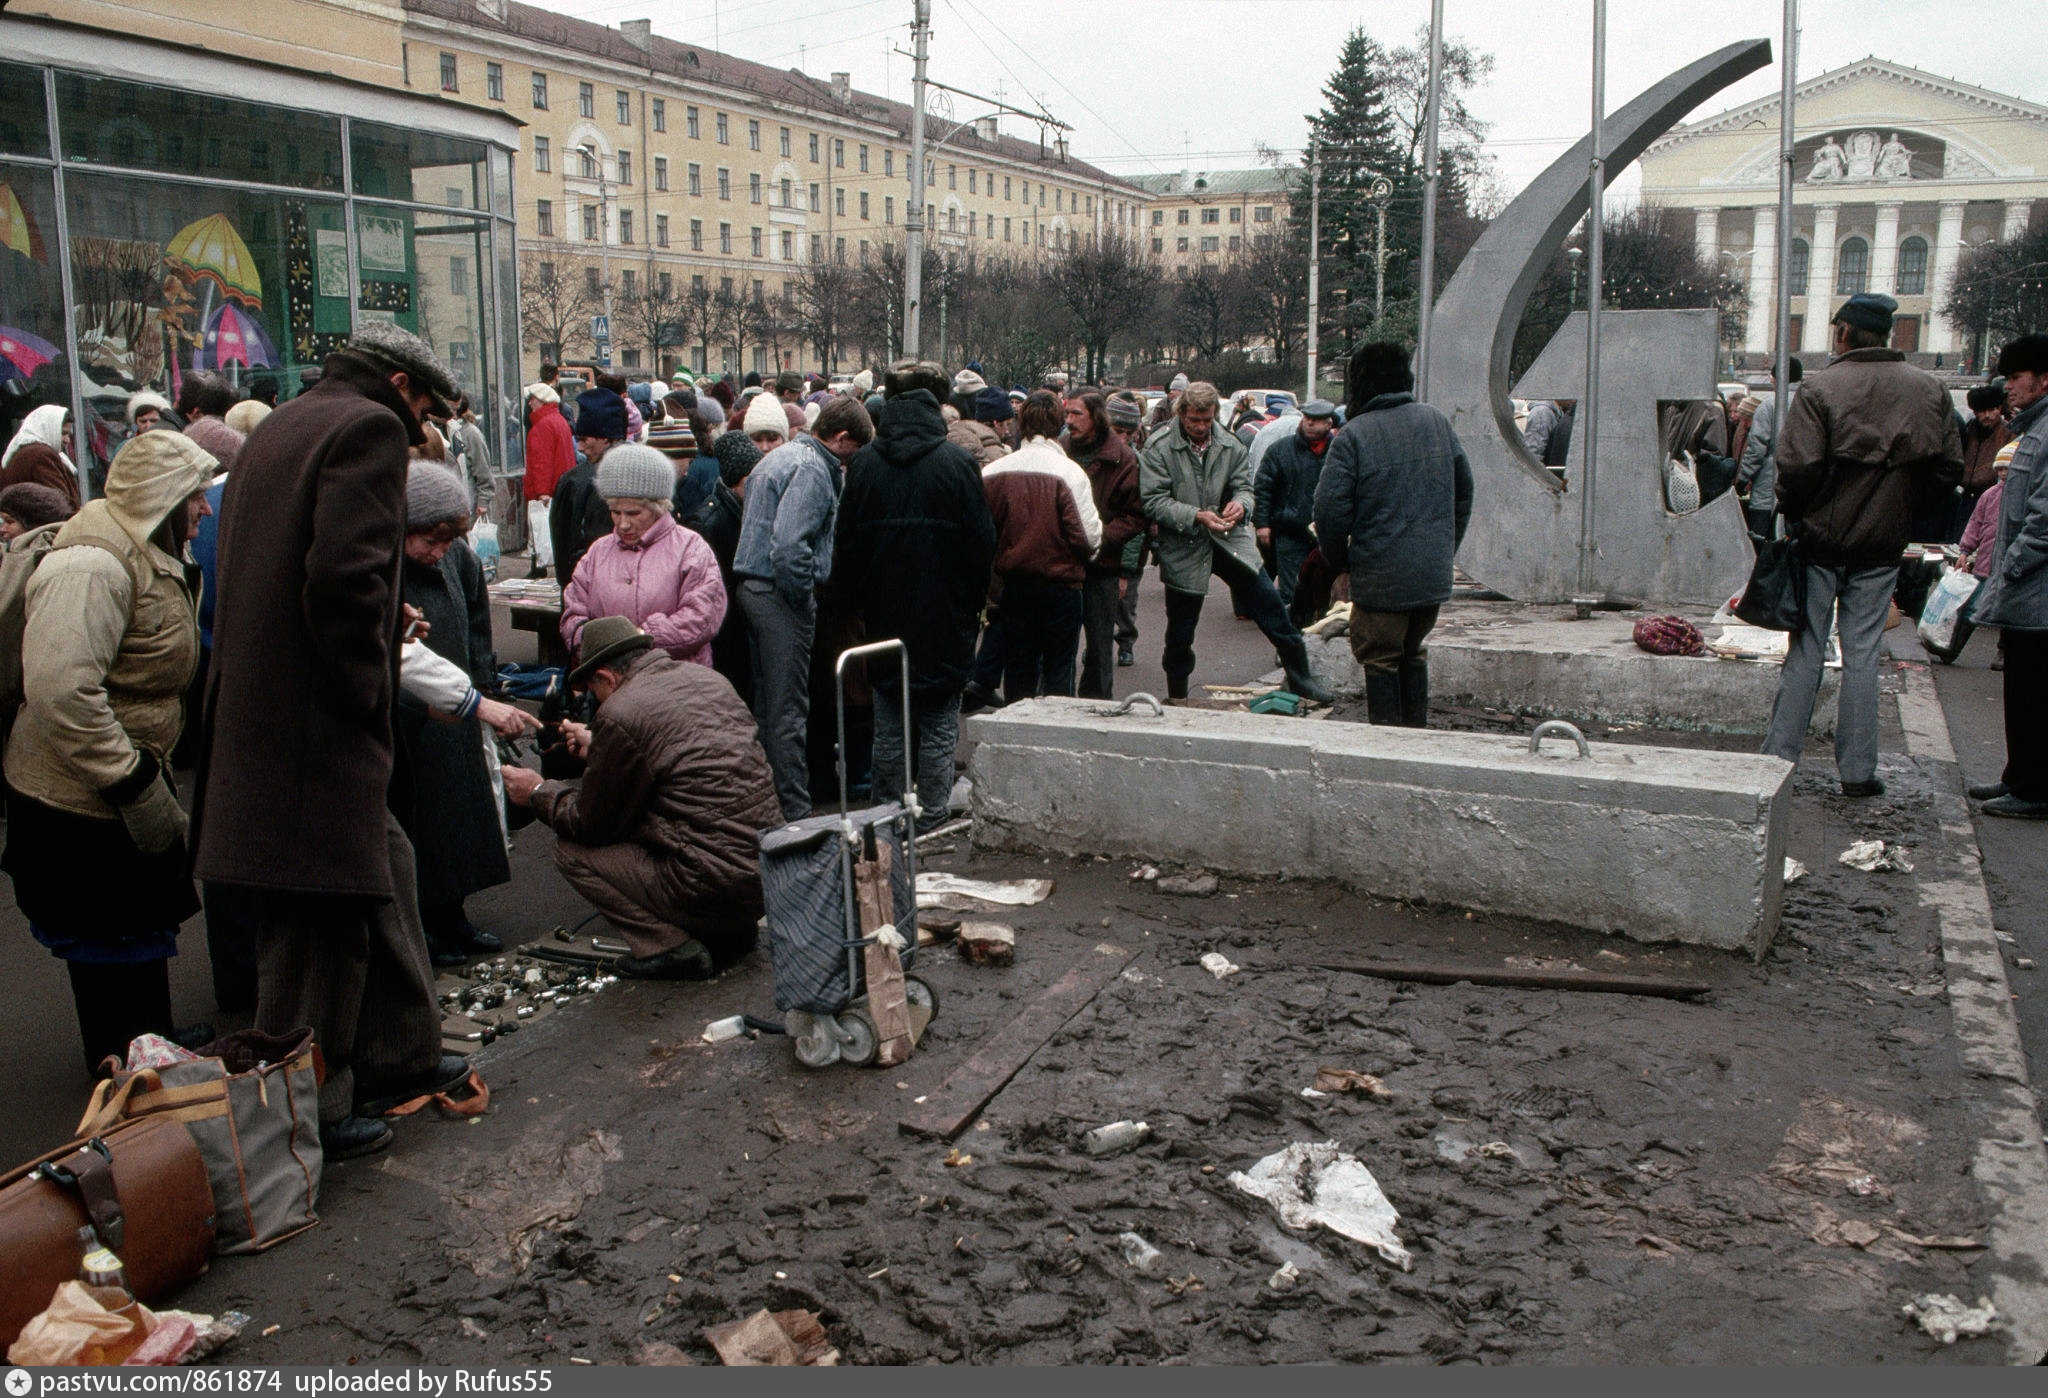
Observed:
{"x":666,"y":582}
{"x":1863,"y":439}
{"x":1044,"y":512}
{"x":473,"y":461}
{"x":111,"y":642}
{"x":1980,"y":536}
{"x":676,"y":769}
{"x":1112,"y":470}
{"x":792,"y":507}
{"x":1176,"y":482}
{"x":1284,"y":486}
{"x":915,"y":544}
{"x":296,"y":761}
{"x":978,"y":440}
{"x":1547,"y":421}
{"x":1980,"y":454}
{"x":1278,"y":429}
{"x":1759,"y":469}
{"x":1393,"y":503}
{"x":550,"y":448}
{"x":41,"y":465}
{"x":2019,"y":580}
{"x":577,"y":518}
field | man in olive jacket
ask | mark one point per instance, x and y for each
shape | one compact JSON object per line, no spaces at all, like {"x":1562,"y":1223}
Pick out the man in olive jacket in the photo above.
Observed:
{"x":1863,"y":439}
{"x":1196,"y":485}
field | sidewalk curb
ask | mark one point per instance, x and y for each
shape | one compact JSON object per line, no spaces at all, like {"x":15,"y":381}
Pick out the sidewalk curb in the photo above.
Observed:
{"x":2010,"y":1162}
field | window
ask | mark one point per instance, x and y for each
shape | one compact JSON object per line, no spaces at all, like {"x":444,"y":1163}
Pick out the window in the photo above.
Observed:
{"x":1212,"y":215}
{"x":817,"y":206}
{"x":753,"y":134}
{"x":839,"y":160}
{"x":1180,"y":216}
{"x":1262,"y":213}
{"x":1209,"y":244}
{"x":754,"y":188}
{"x":696,"y":286}
{"x":625,"y":225}
{"x":782,"y":138}
{"x":839,"y":251}
{"x":494,"y":81}
{"x":543,"y":158}
{"x":760,"y":291}
{"x":725,"y":238}
{"x":788,"y":195}
{"x":1852,"y":272}
{"x":863,"y":252}
{"x":952,"y":177}
{"x":448,"y":73}
{"x":547,"y":274}
{"x":586,"y":163}
{"x":931,"y":173}
{"x":817,"y":247}
{"x":1180,"y":244}
{"x":1006,"y":186}
{"x":1913,"y":267}
{"x":591,"y":283}
{"x":696,"y":178}
{"x":724,"y":131}
{"x":661,"y":173}
{"x":863,"y":160}
{"x":629,"y":283}
{"x":1056,"y":194}
{"x":756,"y":243}
{"x":660,"y":115}
{"x":1795,"y":267}
{"x":1236,"y":243}
{"x":590,"y":223}
{"x":839,"y":202}
{"x":667,"y":285}
{"x":970,"y":181}
{"x":1159,"y":217}
{"x":661,"y":232}
{"x":544,"y":217}
{"x":788,"y":246}
{"x":725,"y":287}
{"x":625,"y":109}
{"x":1006,"y":230}
{"x":629,"y":359}
{"x":1237,"y":215}
{"x":696,"y":235}
{"x":724,"y":183}
{"x":586,"y":100}
{"x":814,"y":153}
{"x":863,"y":204}
{"x":1159,"y":245}
{"x":888,"y":208}
{"x":952,"y":220}
{"x":540,"y":92}
{"x":625,"y":167}
{"x":1041,"y":194}
{"x":690,"y":123}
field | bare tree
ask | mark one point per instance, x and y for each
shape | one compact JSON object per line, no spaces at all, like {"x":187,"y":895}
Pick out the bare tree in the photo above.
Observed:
{"x":1211,"y":309}
{"x":555,"y":302}
{"x":821,"y":297}
{"x":2001,"y":289}
{"x":1276,"y":296}
{"x":654,"y":317}
{"x":1106,"y":288}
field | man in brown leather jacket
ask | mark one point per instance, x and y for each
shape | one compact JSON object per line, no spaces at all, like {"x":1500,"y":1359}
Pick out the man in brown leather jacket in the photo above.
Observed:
{"x":1863,"y":440}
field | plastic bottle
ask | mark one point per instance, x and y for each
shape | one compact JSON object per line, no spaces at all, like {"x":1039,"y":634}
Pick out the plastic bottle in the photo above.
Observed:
{"x":1117,"y":1136}
{"x":1142,"y":1256}
{"x":107,"y":1282}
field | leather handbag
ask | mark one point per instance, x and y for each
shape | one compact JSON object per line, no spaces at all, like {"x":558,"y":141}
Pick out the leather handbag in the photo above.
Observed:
{"x":1775,"y":598}
{"x":143,"y":1189}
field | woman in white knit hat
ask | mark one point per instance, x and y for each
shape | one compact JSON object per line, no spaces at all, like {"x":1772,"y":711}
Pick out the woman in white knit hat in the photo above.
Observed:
{"x":649,"y":568}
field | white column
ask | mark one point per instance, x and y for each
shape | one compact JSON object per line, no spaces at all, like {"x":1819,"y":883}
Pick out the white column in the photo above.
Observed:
{"x":1884,"y":251}
{"x":1820,"y":278}
{"x":1706,"y":233}
{"x":2017,"y":211}
{"x":1763,"y":282}
{"x":1948,"y":245}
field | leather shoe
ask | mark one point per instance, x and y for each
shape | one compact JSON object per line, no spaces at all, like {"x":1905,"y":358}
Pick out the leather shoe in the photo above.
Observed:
{"x":480,"y":940}
{"x":1124,"y":658}
{"x":1873,"y":787}
{"x":2013,"y":808}
{"x":353,"y":1136}
{"x":374,"y":1098}
{"x":688,"y":962}
{"x":443,"y":955}
{"x":1987,"y":791}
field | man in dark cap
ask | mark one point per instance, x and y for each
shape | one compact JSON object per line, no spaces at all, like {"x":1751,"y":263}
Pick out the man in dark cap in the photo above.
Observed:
{"x":2018,"y":587}
{"x":1284,"y":492}
{"x":579,"y":516}
{"x":1862,"y":440}
{"x":1983,"y":435}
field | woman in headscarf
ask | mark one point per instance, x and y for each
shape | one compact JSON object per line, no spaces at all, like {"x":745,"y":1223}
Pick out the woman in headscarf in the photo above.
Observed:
{"x":41,"y":452}
{"x":95,"y":836}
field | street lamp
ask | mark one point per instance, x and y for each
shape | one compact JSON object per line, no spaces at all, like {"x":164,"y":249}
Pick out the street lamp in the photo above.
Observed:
{"x":1574,"y":254}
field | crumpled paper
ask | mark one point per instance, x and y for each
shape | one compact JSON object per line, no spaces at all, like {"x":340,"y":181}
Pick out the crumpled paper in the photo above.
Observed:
{"x":1871,"y":856}
{"x":76,"y":1329}
{"x":1312,"y":1183}
{"x":1946,"y":1317}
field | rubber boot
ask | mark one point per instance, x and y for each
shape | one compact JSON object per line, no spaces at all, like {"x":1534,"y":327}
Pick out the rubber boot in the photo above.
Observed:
{"x":1294,"y":660}
{"x":1383,"y":698}
{"x":1414,"y":678}
{"x":1176,"y":687}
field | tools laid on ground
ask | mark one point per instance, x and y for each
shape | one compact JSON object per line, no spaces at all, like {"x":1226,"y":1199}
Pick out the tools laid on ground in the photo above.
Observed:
{"x":495,"y":997}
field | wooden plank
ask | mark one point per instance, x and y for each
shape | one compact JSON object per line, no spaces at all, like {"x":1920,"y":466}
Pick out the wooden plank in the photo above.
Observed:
{"x":883,"y":968}
{"x":1598,"y":982}
{"x":958,"y":1100}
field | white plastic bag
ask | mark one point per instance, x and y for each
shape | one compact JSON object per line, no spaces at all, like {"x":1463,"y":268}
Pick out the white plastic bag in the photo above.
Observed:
{"x":1945,"y":603}
{"x":483,"y":537}
{"x":1681,"y":485}
{"x":537,"y":535}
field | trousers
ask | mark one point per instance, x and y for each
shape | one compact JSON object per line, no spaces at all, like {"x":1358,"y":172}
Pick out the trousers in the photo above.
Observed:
{"x":1100,"y":607}
{"x":1041,"y":628}
{"x":2026,"y":736}
{"x":935,"y":743}
{"x":652,"y":903}
{"x":1127,"y":612}
{"x":1864,"y":597}
{"x":356,"y":972}
{"x":1289,"y":553}
{"x":779,"y":639}
{"x":1253,"y":594}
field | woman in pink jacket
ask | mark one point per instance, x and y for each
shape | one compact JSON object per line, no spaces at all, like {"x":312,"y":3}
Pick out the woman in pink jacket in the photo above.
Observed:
{"x":650,"y":569}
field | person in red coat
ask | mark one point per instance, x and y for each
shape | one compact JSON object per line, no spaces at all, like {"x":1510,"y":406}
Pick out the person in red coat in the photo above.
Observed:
{"x":550,"y":450}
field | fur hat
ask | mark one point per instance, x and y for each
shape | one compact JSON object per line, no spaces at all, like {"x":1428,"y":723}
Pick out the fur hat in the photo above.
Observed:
{"x":31,"y":505}
{"x":629,"y":471}
{"x":144,"y":399}
{"x":601,"y":413}
{"x":1986,"y":396}
{"x":433,"y":496}
{"x":2026,"y":355}
{"x":764,"y":414}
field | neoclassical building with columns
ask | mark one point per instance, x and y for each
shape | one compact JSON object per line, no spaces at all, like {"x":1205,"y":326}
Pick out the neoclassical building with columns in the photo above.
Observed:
{"x":1896,"y":173}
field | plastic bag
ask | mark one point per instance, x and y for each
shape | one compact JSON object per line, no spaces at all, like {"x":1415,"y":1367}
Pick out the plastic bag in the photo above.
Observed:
{"x":483,"y":537}
{"x":1681,"y":485}
{"x":1945,"y":604}
{"x":537,"y":534}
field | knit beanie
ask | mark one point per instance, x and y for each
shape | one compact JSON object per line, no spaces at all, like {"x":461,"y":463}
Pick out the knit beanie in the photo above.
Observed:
{"x":601,"y":413}
{"x":993,"y":405}
{"x":968,"y":382}
{"x":1180,"y":382}
{"x":1123,"y":412}
{"x":630,"y":471}
{"x":32,"y":506}
{"x":737,"y":457}
{"x":795,"y":414}
{"x":765,"y":414}
{"x":433,"y":496}
{"x":811,"y":411}
{"x":863,"y":383}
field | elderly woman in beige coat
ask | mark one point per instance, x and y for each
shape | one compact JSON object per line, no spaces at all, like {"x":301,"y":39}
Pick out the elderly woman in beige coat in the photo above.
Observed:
{"x":95,"y":835}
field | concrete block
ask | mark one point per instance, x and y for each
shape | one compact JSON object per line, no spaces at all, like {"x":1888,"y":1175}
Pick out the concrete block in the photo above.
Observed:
{"x":1654,"y":844}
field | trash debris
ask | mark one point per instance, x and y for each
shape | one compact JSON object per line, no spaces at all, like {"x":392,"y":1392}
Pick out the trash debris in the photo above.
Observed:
{"x":1496,"y":1150}
{"x":1794,"y":870}
{"x":1833,"y":1232}
{"x":956,"y":1158}
{"x":1314,"y":1095}
{"x":75,"y":1328}
{"x":950,"y":891}
{"x":660,"y":1354}
{"x":1286,"y":1279}
{"x":1345,"y":1080}
{"x":1872,"y":856}
{"x":1865,"y":1186}
{"x":1312,"y":1183}
{"x":1145,"y":873}
{"x":1218,"y":965}
{"x":1116,"y":1138}
{"x":719,"y":1030}
{"x":988,"y":943}
{"x":1181,"y":1285}
{"x":2025,"y":963}
{"x":788,"y":1338}
{"x":1187,"y":885}
{"x":1945,"y":1316}
{"x":1141,"y":1255}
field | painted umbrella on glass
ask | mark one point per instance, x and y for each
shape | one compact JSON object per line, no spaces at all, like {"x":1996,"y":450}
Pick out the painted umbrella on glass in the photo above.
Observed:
{"x":210,"y":252}
{"x":21,"y":353}
{"x":17,"y":230}
{"x":233,"y":336}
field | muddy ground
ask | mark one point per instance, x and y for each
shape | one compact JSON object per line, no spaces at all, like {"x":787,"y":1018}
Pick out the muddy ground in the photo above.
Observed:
{"x":1672,"y":1180}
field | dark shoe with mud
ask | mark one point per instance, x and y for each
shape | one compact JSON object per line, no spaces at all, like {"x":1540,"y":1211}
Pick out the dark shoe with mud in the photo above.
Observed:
{"x":482,"y":941}
{"x":1124,"y":659}
{"x":1987,"y":791}
{"x":1873,"y":787}
{"x":353,"y":1136}
{"x":974,"y":698}
{"x":1414,"y":677}
{"x":441,"y":954}
{"x":2015,"y":808}
{"x":688,"y":962}
{"x":1383,"y":699}
{"x":374,"y":1098}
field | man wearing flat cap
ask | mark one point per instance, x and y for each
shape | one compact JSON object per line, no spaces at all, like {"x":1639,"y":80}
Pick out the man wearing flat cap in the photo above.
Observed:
{"x":1864,"y":440}
{"x":1284,"y":491}
{"x":2017,"y":590}
{"x":661,"y":834}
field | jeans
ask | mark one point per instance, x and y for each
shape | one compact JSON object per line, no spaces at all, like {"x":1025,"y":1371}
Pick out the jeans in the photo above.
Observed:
{"x":1864,"y":595}
{"x":936,"y":719}
{"x":780,"y":638}
{"x":1041,"y":629}
{"x":2026,"y":739}
{"x":1289,"y":554}
{"x":1253,"y":595}
{"x":1099,"y":607}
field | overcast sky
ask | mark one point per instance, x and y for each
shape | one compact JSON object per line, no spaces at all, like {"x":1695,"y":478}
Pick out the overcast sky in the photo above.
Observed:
{"x":1156,"y":85}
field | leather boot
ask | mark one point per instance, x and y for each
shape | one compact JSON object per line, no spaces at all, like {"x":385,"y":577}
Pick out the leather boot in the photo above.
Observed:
{"x":1294,"y":660}
{"x":1414,"y":677}
{"x":1383,"y":698}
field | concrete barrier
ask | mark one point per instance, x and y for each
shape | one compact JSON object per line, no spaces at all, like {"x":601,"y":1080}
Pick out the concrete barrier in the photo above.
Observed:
{"x":1654,"y":844}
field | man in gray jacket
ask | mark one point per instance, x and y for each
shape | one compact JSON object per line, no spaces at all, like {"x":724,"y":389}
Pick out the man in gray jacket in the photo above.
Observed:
{"x":1759,"y":469}
{"x":2019,"y":587}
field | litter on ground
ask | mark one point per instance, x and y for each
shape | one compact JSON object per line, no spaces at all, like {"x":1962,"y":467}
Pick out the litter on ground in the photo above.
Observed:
{"x":1316,"y":1183}
{"x":1945,"y":1317}
{"x":1871,"y":856}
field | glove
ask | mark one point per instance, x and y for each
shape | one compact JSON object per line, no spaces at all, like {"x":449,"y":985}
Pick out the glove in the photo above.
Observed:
{"x":155,"y":822}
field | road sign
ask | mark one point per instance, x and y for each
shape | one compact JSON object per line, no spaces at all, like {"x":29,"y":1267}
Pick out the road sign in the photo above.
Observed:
{"x":600,"y":327}
{"x":604,"y":353}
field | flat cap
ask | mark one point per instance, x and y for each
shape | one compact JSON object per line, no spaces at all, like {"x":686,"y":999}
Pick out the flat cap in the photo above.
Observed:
{"x":1868,"y":310}
{"x":399,"y":350}
{"x":1319,"y":407}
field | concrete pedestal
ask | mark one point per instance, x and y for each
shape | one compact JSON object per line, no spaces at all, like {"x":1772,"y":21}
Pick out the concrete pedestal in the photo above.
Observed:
{"x":1654,"y":844}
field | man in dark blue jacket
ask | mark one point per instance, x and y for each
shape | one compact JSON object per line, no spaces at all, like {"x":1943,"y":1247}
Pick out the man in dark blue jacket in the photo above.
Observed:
{"x":1391,"y":509}
{"x":1284,"y":493}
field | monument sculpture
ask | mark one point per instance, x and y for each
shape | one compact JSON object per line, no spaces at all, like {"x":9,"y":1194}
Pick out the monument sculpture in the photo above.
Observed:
{"x":1862,"y":161}
{"x":1524,"y":541}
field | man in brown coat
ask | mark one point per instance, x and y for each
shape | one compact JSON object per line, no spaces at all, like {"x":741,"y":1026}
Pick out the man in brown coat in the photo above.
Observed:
{"x":295,"y":780}
{"x":662,"y":832}
{"x":1112,"y":470}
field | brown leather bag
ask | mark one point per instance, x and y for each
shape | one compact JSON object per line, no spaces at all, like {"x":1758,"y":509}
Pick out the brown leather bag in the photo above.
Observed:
{"x":144,"y":1189}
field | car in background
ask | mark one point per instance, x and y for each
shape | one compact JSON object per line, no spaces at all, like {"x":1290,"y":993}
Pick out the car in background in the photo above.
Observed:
{"x":1258,"y":397}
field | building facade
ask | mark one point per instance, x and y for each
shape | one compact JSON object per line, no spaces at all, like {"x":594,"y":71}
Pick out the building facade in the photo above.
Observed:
{"x":1896,"y":174}
{"x":1205,"y":219}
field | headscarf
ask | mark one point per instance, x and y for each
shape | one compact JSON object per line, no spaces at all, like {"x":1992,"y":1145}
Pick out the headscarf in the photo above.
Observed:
{"x":45,"y":425}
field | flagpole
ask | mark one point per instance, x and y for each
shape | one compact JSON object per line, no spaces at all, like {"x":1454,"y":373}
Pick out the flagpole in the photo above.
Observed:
{"x":1426,"y":292}
{"x":1596,"y":228}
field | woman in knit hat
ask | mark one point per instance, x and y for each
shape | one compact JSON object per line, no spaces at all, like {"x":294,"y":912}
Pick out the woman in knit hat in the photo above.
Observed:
{"x":459,"y":843}
{"x":650,"y":569}
{"x":765,"y":423}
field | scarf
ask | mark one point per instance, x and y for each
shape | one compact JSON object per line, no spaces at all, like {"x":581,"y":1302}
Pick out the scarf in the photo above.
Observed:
{"x":45,"y":425}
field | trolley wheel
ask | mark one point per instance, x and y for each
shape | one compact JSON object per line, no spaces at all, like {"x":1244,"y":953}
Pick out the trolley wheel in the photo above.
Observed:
{"x":818,"y":1049}
{"x":858,"y":1040}
{"x":919,"y":992}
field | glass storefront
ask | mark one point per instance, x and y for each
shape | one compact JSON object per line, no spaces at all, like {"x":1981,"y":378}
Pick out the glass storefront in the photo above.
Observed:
{"x":203,"y":232}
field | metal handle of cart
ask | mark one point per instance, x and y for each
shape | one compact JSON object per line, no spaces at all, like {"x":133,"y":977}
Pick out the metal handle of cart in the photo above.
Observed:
{"x":849,"y":837}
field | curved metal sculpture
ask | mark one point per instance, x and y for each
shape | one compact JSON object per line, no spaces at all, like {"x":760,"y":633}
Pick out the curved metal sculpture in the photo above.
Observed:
{"x":1524,"y":539}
